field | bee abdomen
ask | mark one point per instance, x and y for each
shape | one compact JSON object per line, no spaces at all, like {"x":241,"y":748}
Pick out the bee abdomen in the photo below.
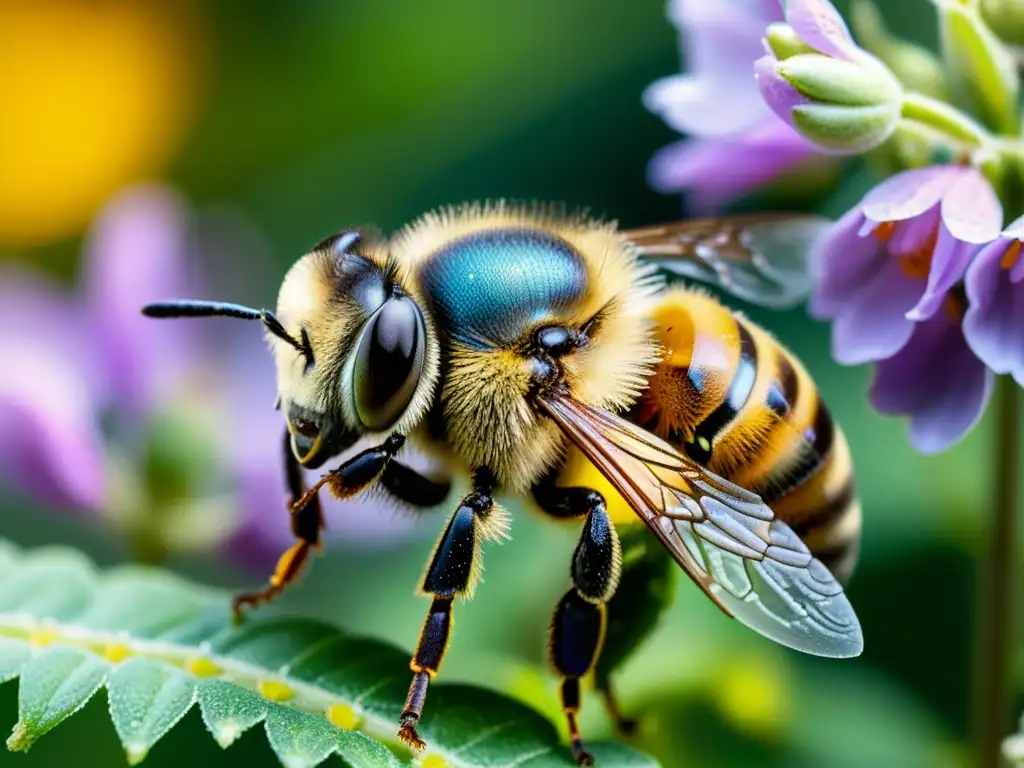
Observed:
{"x":739,"y":403}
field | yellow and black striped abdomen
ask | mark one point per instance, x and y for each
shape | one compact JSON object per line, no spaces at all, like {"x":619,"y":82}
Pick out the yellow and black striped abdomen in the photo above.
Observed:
{"x":732,"y":398}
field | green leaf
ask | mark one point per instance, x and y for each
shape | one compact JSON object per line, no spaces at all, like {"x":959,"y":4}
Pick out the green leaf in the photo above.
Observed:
{"x":147,"y":699}
{"x":54,"y":685}
{"x":160,"y":645}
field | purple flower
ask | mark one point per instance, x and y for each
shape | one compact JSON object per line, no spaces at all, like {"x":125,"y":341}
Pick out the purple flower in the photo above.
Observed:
{"x":885,"y":272}
{"x":891,"y":260}
{"x":994,"y":324}
{"x":736,"y":143}
{"x":936,"y":380}
{"x":822,"y":84}
{"x":164,"y":430}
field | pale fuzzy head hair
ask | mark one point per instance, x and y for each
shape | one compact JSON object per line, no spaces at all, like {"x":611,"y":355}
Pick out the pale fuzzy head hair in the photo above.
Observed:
{"x":310,"y":299}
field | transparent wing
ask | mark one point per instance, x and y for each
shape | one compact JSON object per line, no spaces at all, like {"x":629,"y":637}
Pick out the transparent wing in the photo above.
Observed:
{"x":760,"y":258}
{"x":725,"y":538}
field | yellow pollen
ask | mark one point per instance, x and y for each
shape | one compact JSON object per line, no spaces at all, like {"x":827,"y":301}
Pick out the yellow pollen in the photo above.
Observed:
{"x":201,"y":667}
{"x":918,"y":263}
{"x":276,"y":691}
{"x":343,"y":716}
{"x":433,"y":761}
{"x":1012,"y":255}
{"x":115,"y":653}
{"x":43,"y":636}
{"x":884,"y":231}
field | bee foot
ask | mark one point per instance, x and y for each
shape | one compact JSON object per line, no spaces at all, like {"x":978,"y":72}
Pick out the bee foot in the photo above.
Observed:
{"x":407,"y":733}
{"x":241,"y":603}
{"x":580,"y":754}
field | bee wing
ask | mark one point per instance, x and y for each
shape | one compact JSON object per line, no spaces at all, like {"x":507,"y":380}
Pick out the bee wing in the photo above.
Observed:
{"x":759,"y":257}
{"x":725,"y":538}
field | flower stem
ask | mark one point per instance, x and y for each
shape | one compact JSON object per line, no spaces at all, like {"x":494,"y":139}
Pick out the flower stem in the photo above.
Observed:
{"x":995,"y":602}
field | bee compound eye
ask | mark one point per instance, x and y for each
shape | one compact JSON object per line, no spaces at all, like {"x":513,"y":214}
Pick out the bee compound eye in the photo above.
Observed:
{"x":388,"y":363}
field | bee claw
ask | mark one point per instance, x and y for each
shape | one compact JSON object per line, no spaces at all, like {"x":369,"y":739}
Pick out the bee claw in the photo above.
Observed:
{"x":407,"y":734}
{"x":241,"y":603}
{"x":582,"y":756}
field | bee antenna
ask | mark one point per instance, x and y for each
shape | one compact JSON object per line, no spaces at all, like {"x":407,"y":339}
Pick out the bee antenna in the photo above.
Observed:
{"x":163,"y":309}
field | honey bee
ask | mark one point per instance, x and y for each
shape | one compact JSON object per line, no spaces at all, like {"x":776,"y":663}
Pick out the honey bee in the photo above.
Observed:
{"x":559,"y":360}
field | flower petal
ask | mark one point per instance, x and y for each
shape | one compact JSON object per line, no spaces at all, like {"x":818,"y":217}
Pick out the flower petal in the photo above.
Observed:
{"x":779,"y":95}
{"x":720,"y":42}
{"x":136,"y":253}
{"x":949,"y":262}
{"x":722,"y":37}
{"x":908,"y":194}
{"x":694,"y":105}
{"x":842,"y":261}
{"x":971,"y":211}
{"x":937,"y":381}
{"x":1015,"y":229}
{"x":716,"y":170}
{"x":821,"y":27}
{"x":56,"y":320}
{"x":914,"y":235}
{"x":873,"y":324}
{"x":994,"y":323}
{"x":50,"y":444}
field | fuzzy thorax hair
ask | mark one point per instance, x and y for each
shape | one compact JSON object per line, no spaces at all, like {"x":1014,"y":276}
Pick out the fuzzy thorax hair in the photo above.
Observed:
{"x":485,"y":390}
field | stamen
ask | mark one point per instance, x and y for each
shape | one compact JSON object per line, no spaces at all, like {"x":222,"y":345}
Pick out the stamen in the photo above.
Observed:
{"x":1012,"y":255}
{"x":954,"y":307}
{"x":885,"y":231}
{"x":918,"y":263}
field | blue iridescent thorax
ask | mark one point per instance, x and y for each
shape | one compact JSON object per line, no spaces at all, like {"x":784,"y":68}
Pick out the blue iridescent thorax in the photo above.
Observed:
{"x":488,"y":287}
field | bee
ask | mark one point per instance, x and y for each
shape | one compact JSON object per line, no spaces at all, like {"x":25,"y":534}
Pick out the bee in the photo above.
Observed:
{"x":557,"y":359}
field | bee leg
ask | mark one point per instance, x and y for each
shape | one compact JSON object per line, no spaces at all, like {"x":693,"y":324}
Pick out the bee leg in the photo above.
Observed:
{"x":646,"y":589}
{"x":451,"y":573}
{"x":577,"y":631}
{"x":578,"y":626}
{"x":409,"y":486}
{"x":307,"y":517}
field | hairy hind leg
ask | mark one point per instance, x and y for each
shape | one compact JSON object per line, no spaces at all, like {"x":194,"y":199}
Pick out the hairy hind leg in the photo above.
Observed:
{"x":578,"y":625}
{"x":451,"y":573}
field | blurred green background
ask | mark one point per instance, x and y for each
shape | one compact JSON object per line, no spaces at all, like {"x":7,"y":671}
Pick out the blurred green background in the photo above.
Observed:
{"x":309,"y":117}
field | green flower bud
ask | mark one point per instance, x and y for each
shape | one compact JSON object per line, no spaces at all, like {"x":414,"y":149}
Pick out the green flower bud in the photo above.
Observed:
{"x":818,"y":80}
{"x":1005,"y":18}
{"x":985,"y":74}
{"x":784,"y":42}
{"x":838,"y":82}
{"x":844,"y":129}
{"x":916,"y":67}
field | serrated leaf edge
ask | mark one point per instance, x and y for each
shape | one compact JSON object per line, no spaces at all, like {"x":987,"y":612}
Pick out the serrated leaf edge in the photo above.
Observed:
{"x":204,"y":667}
{"x":306,"y":697}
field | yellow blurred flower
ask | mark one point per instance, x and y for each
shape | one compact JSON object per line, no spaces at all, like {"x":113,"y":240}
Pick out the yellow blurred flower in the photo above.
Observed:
{"x":752,"y":691}
{"x":94,"y":96}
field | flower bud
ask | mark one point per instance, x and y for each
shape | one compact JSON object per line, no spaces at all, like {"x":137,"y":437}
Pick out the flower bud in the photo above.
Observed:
{"x":916,"y":67}
{"x":1005,"y":18}
{"x":984,"y":72}
{"x":819,"y":81}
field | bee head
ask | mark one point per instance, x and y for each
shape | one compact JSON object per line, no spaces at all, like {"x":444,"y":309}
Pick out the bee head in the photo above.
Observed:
{"x":365,"y":359}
